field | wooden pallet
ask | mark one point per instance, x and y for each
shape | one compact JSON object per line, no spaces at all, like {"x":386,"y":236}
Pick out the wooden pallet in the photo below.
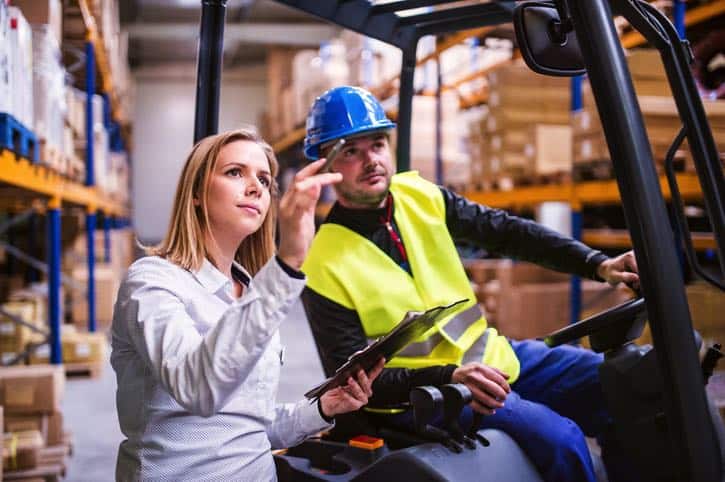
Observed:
{"x":76,"y":169}
{"x":46,"y":473}
{"x":88,"y":369}
{"x":509,"y":181}
{"x":603,"y":169}
{"x":53,"y":158}
{"x":15,"y":137}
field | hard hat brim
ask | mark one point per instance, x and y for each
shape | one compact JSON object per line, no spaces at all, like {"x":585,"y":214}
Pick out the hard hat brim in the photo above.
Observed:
{"x":312,"y":151}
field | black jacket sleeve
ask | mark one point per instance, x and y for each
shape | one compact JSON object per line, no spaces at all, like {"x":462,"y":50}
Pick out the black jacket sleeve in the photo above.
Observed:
{"x":338,"y":334}
{"x":501,"y":233}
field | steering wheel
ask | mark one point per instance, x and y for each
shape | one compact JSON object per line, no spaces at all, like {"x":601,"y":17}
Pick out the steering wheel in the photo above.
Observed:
{"x":608,"y":329}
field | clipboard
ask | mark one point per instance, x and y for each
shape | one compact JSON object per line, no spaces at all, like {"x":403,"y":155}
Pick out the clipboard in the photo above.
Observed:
{"x":413,"y":325}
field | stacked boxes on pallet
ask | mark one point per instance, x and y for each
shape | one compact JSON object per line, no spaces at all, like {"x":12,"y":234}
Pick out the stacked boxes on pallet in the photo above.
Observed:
{"x":29,"y":305}
{"x":295,"y":78}
{"x":519,"y":100}
{"x":14,"y":337}
{"x":455,"y":170}
{"x":590,"y":152}
{"x":527,"y":301}
{"x":5,"y":98}
{"x":31,"y":69}
{"x":707,"y":305}
{"x":107,"y":276}
{"x":32,"y":420}
{"x":49,"y":88}
{"x":79,"y":347}
{"x":20,"y":49}
{"x":525,"y":133}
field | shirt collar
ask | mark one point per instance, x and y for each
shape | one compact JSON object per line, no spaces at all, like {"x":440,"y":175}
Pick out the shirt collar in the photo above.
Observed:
{"x":240,"y":274}
{"x":359,"y":220}
{"x":210,"y":277}
{"x":213,"y":280}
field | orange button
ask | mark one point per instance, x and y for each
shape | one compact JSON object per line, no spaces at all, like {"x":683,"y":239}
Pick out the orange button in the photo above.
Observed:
{"x":366,"y":442}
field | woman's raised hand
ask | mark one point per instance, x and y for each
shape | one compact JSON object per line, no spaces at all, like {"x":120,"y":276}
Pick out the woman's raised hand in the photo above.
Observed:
{"x":297,"y":212}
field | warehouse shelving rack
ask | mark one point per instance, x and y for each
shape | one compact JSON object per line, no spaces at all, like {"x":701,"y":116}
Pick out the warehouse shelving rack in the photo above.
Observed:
{"x":691,"y":17}
{"x":692,"y":433}
{"x":27,"y":183}
{"x":576,"y":196}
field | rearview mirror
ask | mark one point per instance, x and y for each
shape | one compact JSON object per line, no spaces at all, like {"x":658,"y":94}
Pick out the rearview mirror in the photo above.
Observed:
{"x":547,"y":48}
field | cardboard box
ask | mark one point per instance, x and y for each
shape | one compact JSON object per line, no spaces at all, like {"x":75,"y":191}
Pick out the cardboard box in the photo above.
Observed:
{"x":77,"y":347}
{"x":31,"y":389}
{"x":552,"y":148}
{"x":84,"y":348}
{"x":54,"y":436}
{"x":49,"y":425}
{"x":106,"y":284}
{"x":21,"y":450}
{"x":590,"y":148}
{"x":524,"y":300}
{"x":20,"y":42}
{"x":534,"y":310}
{"x":24,"y":423}
{"x":14,"y":336}
{"x":48,"y":12}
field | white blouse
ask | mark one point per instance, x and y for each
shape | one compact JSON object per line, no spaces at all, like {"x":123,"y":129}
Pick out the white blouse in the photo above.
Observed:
{"x":197,"y":374}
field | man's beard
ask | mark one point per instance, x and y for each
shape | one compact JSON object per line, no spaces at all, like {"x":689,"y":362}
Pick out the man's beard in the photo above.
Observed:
{"x":362,"y":198}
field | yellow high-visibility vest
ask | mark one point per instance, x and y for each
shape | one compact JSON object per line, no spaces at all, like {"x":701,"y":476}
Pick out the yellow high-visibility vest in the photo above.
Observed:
{"x":350,"y":270}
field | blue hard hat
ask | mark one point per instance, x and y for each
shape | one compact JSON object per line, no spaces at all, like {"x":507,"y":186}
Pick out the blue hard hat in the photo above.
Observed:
{"x":343,"y":112}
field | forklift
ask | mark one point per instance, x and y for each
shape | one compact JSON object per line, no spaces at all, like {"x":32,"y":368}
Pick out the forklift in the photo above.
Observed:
{"x":656,"y":394}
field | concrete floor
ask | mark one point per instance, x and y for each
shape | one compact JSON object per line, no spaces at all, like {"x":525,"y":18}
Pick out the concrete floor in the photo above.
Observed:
{"x":89,"y":406}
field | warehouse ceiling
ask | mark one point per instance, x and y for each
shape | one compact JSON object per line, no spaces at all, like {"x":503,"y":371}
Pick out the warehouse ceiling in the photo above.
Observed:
{"x":166,"y":31}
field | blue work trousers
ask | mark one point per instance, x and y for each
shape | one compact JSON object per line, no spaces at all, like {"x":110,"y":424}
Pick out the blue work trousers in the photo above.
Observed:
{"x":556,"y":400}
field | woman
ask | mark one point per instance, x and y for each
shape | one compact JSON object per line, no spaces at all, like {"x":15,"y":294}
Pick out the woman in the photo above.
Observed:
{"x":196,"y":346}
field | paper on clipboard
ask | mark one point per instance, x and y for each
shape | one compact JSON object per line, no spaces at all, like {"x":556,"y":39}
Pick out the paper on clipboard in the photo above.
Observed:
{"x":413,"y":325}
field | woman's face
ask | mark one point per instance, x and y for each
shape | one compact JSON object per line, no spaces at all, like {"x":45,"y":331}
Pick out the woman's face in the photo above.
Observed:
{"x":239,"y":192}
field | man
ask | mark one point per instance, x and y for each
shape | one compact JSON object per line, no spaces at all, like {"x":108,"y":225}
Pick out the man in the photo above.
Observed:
{"x":387,"y":246}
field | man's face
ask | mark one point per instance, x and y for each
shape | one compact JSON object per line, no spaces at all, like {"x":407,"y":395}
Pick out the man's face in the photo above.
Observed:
{"x":366,"y":168}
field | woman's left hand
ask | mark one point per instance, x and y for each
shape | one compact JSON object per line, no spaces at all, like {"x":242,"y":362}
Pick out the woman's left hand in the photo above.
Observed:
{"x":352,"y":396}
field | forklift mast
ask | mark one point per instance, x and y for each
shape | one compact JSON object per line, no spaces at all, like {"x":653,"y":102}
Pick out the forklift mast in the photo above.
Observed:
{"x":692,"y":434}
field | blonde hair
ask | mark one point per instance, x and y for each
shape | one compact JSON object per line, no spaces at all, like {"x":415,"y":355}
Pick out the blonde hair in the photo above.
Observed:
{"x":184,"y":241}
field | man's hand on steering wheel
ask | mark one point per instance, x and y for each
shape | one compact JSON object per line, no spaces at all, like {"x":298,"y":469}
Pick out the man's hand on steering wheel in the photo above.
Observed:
{"x":622,"y":269}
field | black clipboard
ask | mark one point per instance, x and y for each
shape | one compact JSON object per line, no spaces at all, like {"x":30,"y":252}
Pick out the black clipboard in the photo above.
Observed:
{"x":413,"y":325}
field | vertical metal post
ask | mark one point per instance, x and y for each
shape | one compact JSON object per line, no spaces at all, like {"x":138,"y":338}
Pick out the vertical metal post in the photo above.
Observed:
{"x":208,"y":77}
{"x":405,"y":107}
{"x":678,"y":17}
{"x":577,"y":100}
{"x":90,"y":91}
{"x":687,"y":417}
{"x":54,"y":311}
{"x":91,"y":248}
{"x":575,"y":299}
{"x":107,"y":238}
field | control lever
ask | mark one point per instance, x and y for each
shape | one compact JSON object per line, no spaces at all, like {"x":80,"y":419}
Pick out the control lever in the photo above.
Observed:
{"x":713,"y":354}
{"x":473,"y":431}
{"x":426,"y":401}
{"x":455,"y":397}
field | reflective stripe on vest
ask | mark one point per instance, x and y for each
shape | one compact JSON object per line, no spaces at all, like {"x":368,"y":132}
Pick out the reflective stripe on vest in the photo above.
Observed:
{"x":454,"y":329}
{"x":475,"y":353}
